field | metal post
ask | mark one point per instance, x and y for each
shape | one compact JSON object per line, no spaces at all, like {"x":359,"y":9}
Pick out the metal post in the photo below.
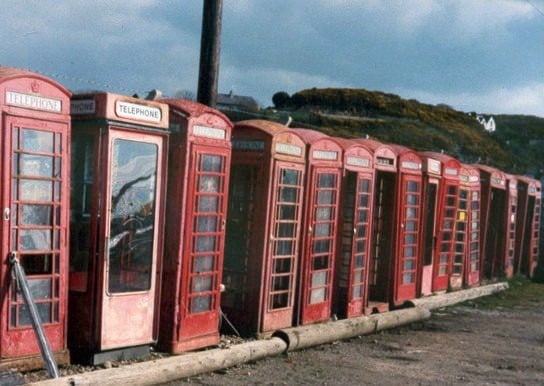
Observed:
{"x":45,"y":349}
{"x":210,"y":47}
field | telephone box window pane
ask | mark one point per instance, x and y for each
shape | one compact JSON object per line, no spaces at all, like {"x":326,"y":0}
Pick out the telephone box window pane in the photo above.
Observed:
{"x":286,"y":230}
{"x":284,"y":247}
{"x":41,"y":264}
{"x":205,"y":244}
{"x":452,"y":190}
{"x":319,"y":263}
{"x":358,"y":277}
{"x":287,"y":212}
{"x":361,"y":229}
{"x":34,"y":140}
{"x":408,"y":278}
{"x":322,"y":230}
{"x":36,"y":165}
{"x":413,"y":186}
{"x":325,"y":197}
{"x":363,"y":201}
{"x":450,"y":213}
{"x":133,"y":201}
{"x":211,"y":163}
{"x":289,"y":177}
{"x":357,"y":292}
{"x":36,"y":190}
{"x":321,"y":246}
{"x":450,"y":201}
{"x":209,"y":184}
{"x":411,"y":212}
{"x":324,"y":214}
{"x":409,"y":265}
{"x":412,"y":199}
{"x":201,"y":304}
{"x":411,"y":226}
{"x":282,"y":265}
{"x":409,"y":252}
{"x":410,"y":239}
{"x":202,"y":284}
{"x":203,"y":264}
{"x":35,"y":239}
{"x":206,"y":224}
{"x":44,"y":310}
{"x":318,"y":295}
{"x":365,"y":186}
{"x":360,"y":246}
{"x":359,"y":261}
{"x":36,"y":215}
{"x":40,"y":288}
{"x":281,"y":283}
{"x":207,"y":204}
{"x":280,"y":300}
{"x":320,"y":279}
{"x":288,"y":194}
{"x":363,"y":216}
{"x":326,"y":181}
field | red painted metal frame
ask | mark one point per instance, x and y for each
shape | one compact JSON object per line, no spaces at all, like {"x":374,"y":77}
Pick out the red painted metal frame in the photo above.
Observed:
{"x":319,"y":230}
{"x":528,"y":225}
{"x":36,"y":104}
{"x":350,"y":296}
{"x":492,"y":222}
{"x":470,"y":180}
{"x":88,"y":296}
{"x":443,"y":275}
{"x":432,"y":174}
{"x":197,"y":133}
{"x":263,"y":226}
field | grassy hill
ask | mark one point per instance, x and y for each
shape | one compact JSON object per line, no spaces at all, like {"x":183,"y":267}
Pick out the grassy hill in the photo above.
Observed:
{"x":514,"y":147}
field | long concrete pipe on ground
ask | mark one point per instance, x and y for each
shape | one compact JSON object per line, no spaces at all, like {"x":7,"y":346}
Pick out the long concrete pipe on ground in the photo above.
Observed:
{"x":296,"y":338}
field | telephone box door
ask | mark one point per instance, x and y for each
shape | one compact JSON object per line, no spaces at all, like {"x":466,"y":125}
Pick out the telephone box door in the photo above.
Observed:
{"x":203,"y":257}
{"x":408,"y":241}
{"x":283,"y":243}
{"x":132,"y":204}
{"x":37,"y":171}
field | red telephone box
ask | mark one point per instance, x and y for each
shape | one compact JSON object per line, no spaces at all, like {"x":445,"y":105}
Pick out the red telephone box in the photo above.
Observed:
{"x":469,"y":197}
{"x":408,"y":218}
{"x":263,"y":226}
{"x":199,"y":157}
{"x":510,"y":220}
{"x":116,"y":218}
{"x":35,"y":133}
{"x":350,"y":295}
{"x":528,"y":225}
{"x":319,"y":230}
{"x":493,"y":229}
{"x":432,"y":174}
{"x":446,"y":270}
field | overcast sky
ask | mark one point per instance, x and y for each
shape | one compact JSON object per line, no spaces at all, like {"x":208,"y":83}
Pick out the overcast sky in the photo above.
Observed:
{"x":474,"y":55}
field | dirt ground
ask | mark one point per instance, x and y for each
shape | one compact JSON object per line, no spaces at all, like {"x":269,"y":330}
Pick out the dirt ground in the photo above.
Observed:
{"x":498,"y":340}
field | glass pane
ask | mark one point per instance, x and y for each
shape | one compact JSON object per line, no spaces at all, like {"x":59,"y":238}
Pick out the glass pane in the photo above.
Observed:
{"x":209,"y":184}
{"x":36,"y":215}
{"x":36,"y":190}
{"x":289,"y":177}
{"x":40,"y":288}
{"x":282,"y":265}
{"x":409,"y":252}
{"x":201,"y":304}
{"x":321,"y":262}
{"x":34,"y":140}
{"x":324,"y":214}
{"x":408,"y":278}
{"x":410,"y":239}
{"x":205,"y":244}
{"x":40,"y":264}
{"x":318,"y":295}
{"x":319,"y":278}
{"x":412,"y":199}
{"x":203,"y":264}
{"x":325,"y":197}
{"x":284,"y":247}
{"x":360,"y":247}
{"x":321,"y":246}
{"x":206,"y":224}
{"x":287,"y":212}
{"x":35,"y":239}
{"x":286,"y":230}
{"x":281,"y":283}
{"x":363,"y":201}
{"x":322,"y":230}
{"x":365,"y":186}
{"x":211,"y":163}
{"x":288,"y":194}
{"x":326,"y":181}
{"x":413,"y":186}
{"x":133,"y":202}
{"x":411,"y":212}
{"x":359,"y":261}
{"x":202,"y":283}
{"x":411,"y":226}
{"x":36,"y":165}
{"x":409,"y":265}
{"x":208,"y":204}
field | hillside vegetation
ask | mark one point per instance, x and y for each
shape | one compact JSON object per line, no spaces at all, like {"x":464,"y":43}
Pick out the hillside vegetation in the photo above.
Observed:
{"x":514,"y":147}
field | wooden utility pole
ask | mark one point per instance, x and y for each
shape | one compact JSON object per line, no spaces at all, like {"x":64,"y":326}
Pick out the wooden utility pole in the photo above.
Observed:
{"x":210,"y":47}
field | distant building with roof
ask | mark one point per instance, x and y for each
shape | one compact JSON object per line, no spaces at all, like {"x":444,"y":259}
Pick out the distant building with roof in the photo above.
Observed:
{"x":237,"y":102}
